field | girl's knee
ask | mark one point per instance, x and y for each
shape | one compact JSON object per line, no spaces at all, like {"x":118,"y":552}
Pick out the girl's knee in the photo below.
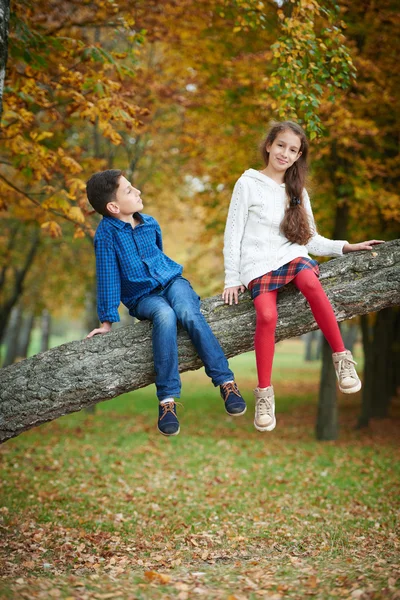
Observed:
{"x":307,"y":282}
{"x":267,"y":317}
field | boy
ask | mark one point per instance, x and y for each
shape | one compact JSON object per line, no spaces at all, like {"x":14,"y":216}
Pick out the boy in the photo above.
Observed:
{"x":132,"y":267}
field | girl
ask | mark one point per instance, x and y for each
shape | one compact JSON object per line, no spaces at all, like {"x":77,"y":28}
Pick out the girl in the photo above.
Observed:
{"x":269,"y":232}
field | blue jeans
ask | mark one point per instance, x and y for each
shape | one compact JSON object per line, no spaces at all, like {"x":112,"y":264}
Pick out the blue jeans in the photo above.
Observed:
{"x":178,"y":302}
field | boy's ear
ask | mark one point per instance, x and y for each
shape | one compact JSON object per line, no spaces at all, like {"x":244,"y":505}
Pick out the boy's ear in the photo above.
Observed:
{"x":113,"y":208}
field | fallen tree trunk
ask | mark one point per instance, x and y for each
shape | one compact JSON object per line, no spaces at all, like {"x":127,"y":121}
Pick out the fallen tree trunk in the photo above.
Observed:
{"x":79,"y":374}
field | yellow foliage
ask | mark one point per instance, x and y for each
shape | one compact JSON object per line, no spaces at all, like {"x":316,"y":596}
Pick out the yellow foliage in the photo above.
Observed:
{"x":76,"y":214}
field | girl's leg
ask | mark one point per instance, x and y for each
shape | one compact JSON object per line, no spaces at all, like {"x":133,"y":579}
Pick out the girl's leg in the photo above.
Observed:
{"x":309,"y":285}
{"x":264,"y":340}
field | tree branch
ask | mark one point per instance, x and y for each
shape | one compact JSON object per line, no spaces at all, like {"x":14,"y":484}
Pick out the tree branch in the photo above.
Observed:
{"x":79,"y":374}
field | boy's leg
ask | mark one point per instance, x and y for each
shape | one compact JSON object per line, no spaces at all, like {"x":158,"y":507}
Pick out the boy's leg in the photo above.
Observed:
{"x":165,"y":347}
{"x":310,"y":286}
{"x":186,"y":304}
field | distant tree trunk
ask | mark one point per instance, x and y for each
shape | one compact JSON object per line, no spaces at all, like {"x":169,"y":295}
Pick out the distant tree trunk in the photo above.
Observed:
{"x":328,"y":375}
{"x":366,"y":397}
{"x":381,"y":363}
{"x":12,"y":334}
{"x":4,"y":26}
{"x":24,"y":337}
{"x":327,"y":418}
{"x":311,"y":341}
{"x":349,"y":333}
{"x":45,"y":330}
{"x":20,"y":273}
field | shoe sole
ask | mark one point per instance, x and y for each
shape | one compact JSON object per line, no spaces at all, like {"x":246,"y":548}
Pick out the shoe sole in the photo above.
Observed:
{"x":268,"y":428}
{"x":236,"y":414}
{"x":169,"y":434}
{"x":352,"y":390}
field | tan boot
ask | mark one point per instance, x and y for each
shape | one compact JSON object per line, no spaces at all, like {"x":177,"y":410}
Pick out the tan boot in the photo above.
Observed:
{"x":349,"y":382}
{"x":264,"y":419}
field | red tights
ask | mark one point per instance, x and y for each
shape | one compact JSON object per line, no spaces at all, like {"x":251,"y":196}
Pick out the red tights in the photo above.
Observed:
{"x":267,"y":315}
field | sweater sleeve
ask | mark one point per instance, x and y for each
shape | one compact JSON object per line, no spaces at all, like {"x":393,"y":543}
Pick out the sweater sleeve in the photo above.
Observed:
{"x":234,"y":229}
{"x":319,"y":245}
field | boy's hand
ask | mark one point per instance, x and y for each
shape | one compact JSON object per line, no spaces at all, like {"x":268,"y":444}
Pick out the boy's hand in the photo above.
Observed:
{"x":105,"y":328}
{"x":361,"y":246}
{"x":230,"y":294}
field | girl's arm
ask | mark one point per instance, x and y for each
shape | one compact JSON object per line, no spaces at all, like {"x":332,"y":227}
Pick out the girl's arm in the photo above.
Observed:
{"x":317,"y":244}
{"x":369,"y":245}
{"x":234,"y":229}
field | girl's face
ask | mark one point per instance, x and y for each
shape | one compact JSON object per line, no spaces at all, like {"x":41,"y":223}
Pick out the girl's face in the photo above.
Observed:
{"x":284,"y":150}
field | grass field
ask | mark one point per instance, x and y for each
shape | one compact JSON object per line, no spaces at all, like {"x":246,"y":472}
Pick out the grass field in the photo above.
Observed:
{"x":101,"y":506}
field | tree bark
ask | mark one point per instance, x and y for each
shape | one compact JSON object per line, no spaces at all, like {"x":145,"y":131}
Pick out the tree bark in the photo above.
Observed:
{"x":79,"y":374}
{"x":4,"y":25}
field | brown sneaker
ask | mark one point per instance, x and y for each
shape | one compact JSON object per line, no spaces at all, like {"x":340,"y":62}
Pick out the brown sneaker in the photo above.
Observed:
{"x":264,"y":419}
{"x":349,"y":382}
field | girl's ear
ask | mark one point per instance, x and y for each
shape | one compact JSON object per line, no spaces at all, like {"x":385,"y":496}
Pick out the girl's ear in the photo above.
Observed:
{"x":298,"y":156}
{"x":113,"y":208}
{"x":268,"y":147}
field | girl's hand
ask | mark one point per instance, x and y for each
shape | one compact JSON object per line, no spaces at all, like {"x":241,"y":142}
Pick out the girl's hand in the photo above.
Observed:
{"x":231,"y":293}
{"x":361,"y":246}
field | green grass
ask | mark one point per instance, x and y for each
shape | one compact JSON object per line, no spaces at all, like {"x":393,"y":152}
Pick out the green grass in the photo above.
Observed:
{"x":101,"y":506}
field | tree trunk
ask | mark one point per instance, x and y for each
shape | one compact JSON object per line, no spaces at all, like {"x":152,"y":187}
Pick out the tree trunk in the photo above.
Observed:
{"x":4,"y":25}
{"x":79,"y":374}
{"x":12,"y":334}
{"x":24,"y":337}
{"x":311,"y":342}
{"x":45,"y":331}
{"x":17,"y":286}
{"x":381,"y":363}
{"x":328,"y":374}
{"x":382,"y":350}
{"x":327,"y":427}
{"x":366,"y":397}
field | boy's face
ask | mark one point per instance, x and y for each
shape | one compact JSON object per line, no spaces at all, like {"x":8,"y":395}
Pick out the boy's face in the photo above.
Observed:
{"x":127,"y":200}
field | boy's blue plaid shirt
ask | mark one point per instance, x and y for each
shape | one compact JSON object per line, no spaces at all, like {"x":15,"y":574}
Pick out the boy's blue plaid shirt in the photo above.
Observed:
{"x":130,"y":264}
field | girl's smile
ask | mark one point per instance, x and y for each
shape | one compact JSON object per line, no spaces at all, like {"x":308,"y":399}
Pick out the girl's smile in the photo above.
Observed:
{"x":283,"y":152}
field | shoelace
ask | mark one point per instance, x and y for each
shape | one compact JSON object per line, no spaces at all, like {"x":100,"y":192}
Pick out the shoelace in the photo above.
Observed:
{"x":264,"y":407}
{"x":346,"y":367}
{"x":227,"y":388}
{"x":169,"y":407}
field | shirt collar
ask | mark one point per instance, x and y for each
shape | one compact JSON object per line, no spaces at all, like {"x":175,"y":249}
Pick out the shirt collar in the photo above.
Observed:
{"x":121,"y":224}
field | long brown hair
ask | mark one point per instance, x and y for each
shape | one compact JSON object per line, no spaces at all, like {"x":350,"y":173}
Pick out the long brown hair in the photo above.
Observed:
{"x":295,"y":225}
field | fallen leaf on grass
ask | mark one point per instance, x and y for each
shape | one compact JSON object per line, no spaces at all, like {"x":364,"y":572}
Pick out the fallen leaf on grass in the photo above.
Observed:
{"x":157,"y":577}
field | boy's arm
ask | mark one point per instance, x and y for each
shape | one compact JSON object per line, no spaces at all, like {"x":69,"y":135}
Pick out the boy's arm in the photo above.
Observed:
{"x":159,"y":236}
{"x":108,"y":287}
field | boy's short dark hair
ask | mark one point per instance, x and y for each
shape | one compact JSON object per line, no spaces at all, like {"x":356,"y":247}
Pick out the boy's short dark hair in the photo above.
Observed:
{"x":101,"y":189}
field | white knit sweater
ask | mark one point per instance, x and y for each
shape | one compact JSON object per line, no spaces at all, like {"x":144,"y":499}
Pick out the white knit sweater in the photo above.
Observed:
{"x":253,"y":242}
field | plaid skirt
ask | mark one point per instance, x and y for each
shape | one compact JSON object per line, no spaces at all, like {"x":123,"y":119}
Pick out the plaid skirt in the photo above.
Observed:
{"x":280,"y":277}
